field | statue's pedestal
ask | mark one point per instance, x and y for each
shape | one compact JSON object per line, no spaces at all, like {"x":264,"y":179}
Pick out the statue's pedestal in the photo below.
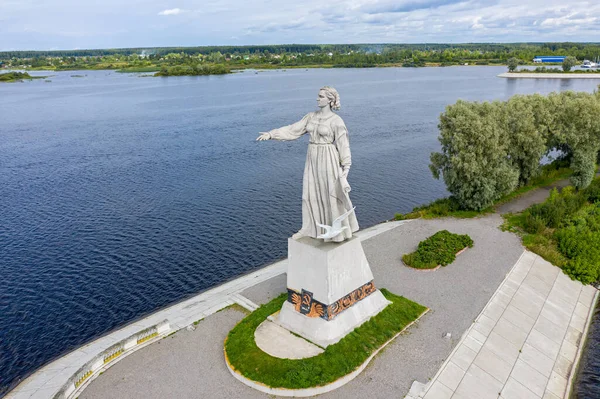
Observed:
{"x":330,"y":290}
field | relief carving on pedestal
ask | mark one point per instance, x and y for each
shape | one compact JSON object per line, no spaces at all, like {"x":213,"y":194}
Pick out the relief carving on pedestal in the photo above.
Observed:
{"x":305,"y":303}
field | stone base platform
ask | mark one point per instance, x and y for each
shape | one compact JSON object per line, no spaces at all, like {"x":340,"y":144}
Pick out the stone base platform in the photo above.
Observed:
{"x":327,"y":332}
{"x":330,"y":290}
{"x":279,"y":342}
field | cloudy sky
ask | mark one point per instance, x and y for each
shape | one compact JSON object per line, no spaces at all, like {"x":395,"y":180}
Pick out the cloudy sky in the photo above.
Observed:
{"x":78,"y":24}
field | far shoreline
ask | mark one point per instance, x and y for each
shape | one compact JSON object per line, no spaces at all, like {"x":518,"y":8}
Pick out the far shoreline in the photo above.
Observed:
{"x":533,"y":75}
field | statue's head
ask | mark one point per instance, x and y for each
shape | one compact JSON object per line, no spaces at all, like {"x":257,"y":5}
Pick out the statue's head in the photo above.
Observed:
{"x":332,"y":97}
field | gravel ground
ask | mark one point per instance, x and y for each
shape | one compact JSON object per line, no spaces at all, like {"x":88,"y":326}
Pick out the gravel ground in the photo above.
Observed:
{"x":191,"y":365}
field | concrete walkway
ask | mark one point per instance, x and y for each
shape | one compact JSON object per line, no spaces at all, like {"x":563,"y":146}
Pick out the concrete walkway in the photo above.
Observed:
{"x":524,"y":343}
{"x":190,"y":364}
{"x":48,"y":380}
{"x":511,"y":317}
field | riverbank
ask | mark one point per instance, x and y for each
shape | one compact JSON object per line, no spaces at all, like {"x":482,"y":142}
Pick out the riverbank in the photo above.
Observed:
{"x":191,"y":361}
{"x":521,"y":75}
{"x":258,"y":67}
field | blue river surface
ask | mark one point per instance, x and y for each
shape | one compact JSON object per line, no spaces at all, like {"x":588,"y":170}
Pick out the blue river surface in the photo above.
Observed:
{"x":122,"y":194}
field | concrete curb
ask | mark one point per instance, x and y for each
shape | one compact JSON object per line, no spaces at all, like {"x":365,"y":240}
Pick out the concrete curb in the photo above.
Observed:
{"x":575,"y":367}
{"x":306,"y":392}
{"x":89,"y":371}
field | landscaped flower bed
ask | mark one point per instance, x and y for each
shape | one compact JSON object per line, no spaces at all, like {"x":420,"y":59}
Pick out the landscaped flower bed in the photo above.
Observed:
{"x":438,"y":250}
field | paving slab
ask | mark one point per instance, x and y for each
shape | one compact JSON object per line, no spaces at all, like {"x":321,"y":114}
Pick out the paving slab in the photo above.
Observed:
{"x":531,"y":350}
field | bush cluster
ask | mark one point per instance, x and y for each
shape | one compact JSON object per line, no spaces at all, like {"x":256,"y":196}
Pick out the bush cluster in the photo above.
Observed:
{"x":558,"y":208}
{"x":572,"y":220}
{"x":490,"y":149}
{"x":439,"y":249}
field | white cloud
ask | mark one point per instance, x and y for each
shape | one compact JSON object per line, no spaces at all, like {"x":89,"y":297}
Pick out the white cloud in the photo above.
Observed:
{"x":222,"y":22}
{"x":570,"y":19}
{"x":477,"y":25}
{"x":173,"y":11}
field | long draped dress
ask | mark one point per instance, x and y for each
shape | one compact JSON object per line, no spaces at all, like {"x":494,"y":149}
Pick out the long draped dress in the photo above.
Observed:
{"x":323,"y":194}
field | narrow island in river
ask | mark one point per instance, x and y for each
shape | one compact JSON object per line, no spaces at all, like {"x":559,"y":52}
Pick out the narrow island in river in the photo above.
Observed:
{"x":17,"y":76}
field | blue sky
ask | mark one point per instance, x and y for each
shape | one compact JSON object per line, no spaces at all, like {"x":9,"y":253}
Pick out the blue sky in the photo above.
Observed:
{"x":78,"y":24}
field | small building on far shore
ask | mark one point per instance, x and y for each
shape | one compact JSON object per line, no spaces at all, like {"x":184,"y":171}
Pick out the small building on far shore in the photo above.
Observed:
{"x":549,"y":58}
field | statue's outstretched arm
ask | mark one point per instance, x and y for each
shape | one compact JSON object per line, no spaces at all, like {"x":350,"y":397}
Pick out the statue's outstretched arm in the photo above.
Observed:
{"x":290,"y":132}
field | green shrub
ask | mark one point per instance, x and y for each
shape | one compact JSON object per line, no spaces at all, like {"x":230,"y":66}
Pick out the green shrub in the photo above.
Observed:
{"x":440,"y":207}
{"x":534,"y":224}
{"x":559,"y":207}
{"x":583,"y":269}
{"x":439,"y":249}
{"x":573,"y":240}
{"x":581,"y":245}
{"x":592,"y":192}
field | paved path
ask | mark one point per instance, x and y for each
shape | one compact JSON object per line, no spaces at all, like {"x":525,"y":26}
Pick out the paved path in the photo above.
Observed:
{"x":190,"y":364}
{"x":535,"y":196}
{"x":524,"y":343}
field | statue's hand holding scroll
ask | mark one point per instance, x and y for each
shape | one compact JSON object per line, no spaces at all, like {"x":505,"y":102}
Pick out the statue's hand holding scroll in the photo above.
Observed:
{"x":344,"y":179}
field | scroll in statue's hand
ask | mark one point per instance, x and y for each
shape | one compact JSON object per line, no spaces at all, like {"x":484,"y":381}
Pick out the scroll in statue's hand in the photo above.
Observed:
{"x":344,"y":184}
{"x":264,"y":136}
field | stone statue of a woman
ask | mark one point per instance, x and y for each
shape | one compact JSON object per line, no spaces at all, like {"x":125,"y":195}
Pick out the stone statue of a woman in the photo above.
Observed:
{"x":325,"y":186}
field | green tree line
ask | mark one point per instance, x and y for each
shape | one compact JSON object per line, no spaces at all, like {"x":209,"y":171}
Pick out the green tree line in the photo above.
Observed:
{"x":313,"y":54}
{"x":491,"y":148}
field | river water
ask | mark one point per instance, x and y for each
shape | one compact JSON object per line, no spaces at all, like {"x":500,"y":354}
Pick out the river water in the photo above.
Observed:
{"x":122,"y":194}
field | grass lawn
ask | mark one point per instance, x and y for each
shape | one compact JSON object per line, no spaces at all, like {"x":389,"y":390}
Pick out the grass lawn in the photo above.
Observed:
{"x":338,"y":359}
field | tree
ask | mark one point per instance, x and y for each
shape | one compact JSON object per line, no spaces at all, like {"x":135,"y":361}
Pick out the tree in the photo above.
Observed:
{"x":513,"y":63}
{"x":526,"y":135}
{"x":489,"y":148}
{"x":474,"y":161}
{"x":569,"y":63}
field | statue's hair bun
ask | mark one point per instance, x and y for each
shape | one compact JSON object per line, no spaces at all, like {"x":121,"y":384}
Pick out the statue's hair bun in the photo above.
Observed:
{"x":333,"y":96}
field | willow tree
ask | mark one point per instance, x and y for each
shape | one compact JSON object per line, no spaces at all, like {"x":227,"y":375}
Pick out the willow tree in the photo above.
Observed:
{"x":488,"y":149}
{"x":526,"y":133}
{"x":474,"y":161}
{"x":576,"y":132}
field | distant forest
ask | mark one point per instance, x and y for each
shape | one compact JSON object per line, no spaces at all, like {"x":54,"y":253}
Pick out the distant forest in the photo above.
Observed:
{"x":167,"y":61}
{"x":492,"y":50}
